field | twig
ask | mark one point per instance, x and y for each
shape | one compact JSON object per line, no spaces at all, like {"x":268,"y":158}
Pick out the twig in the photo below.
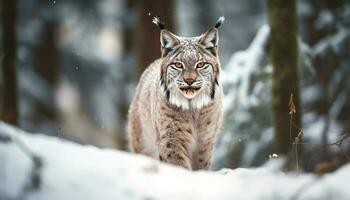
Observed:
{"x":340,"y":141}
{"x":344,"y":152}
{"x":297,"y":139}
{"x":291,"y":112}
{"x":296,"y":142}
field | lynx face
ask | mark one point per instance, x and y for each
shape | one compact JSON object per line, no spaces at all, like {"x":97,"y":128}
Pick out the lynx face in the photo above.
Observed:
{"x":190,"y":69}
{"x":190,"y":79}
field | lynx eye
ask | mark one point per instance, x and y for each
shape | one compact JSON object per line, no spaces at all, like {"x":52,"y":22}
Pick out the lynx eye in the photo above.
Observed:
{"x":179,"y":65}
{"x":200,"y":65}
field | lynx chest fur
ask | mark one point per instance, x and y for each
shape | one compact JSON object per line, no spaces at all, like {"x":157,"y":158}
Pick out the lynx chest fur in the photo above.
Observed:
{"x":177,"y":109}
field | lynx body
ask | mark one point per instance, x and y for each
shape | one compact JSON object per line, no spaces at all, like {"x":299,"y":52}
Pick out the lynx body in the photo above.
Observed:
{"x":177,"y":109}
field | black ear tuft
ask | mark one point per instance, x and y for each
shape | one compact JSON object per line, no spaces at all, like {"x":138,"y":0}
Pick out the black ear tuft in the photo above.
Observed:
{"x":159,"y":23}
{"x":220,"y":21}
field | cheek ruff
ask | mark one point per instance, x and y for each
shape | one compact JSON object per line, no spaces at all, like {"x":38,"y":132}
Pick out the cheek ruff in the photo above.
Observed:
{"x":175,"y":97}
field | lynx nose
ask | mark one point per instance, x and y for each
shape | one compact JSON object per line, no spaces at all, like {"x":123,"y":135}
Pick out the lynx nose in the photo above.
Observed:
{"x":189,"y":81}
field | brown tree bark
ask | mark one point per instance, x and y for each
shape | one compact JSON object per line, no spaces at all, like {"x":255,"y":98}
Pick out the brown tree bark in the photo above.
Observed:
{"x":47,"y":54}
{"x":284,"y":57}
{"x":147,"y":34}
{"x":46,"y":65}
{"x":9,"y":112}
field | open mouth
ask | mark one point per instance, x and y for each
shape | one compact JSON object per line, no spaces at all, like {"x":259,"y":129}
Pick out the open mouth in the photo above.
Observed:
{"x":189,"y":92}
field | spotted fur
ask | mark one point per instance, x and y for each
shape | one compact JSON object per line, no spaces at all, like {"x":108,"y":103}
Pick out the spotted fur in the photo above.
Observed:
{"x":177,"y":109}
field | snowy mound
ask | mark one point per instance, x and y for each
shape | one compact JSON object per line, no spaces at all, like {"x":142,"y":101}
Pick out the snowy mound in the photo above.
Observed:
{"x":38,"y":167}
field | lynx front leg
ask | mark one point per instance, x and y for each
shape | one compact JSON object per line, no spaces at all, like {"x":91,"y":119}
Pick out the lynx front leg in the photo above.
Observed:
{"x":204,"y":156}
{"x":134,"y":130}
{"x":174,"y":149}
{"x":209,"y":127}
{"x":205,"y":146}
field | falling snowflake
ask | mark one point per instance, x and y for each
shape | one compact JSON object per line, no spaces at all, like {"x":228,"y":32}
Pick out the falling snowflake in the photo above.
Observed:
{"x":273,"y":156}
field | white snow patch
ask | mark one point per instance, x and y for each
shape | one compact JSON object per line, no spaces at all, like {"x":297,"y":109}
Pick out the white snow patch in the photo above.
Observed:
{"x":72,"y":171}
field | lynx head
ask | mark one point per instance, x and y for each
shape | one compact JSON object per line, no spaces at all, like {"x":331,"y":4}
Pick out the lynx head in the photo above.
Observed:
{"x":190,"y":67}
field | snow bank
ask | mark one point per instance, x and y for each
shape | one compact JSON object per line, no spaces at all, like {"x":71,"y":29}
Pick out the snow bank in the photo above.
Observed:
{"x":34,"y":166}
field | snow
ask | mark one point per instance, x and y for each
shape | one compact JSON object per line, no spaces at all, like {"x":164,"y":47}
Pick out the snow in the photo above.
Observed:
{"x":247,"y":98}
{"x":73,"y":171}
{"x":242,"y":66}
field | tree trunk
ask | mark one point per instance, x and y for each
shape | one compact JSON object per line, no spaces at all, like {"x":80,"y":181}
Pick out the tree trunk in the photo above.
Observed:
{"x":122,"y":104}
{"x":46,"y":65}
{"x":47,"y":54}
{"x":9,"y":110}
{"x":147,"y":33}
{"x":284,"y":57}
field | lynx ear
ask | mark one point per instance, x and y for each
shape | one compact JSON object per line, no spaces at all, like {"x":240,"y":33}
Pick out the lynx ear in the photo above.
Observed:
{"x":210,"y":39}
{"x":168,"y":41}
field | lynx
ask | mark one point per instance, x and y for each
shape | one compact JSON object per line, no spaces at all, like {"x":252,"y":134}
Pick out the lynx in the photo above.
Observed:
{"x":176,"y":112}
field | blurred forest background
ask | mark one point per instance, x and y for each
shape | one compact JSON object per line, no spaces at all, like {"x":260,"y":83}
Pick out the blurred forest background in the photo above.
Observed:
{"x":69,"y":69}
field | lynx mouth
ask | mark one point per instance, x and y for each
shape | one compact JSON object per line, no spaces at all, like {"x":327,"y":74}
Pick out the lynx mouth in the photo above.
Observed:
{"x":190,"y":92}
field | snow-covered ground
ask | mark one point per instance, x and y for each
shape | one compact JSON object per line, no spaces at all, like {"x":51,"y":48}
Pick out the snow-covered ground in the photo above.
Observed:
{"x":39,"y":167}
